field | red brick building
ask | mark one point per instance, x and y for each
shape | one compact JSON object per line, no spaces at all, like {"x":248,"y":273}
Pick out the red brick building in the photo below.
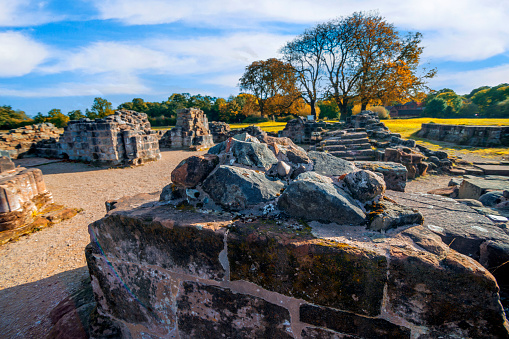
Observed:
{"x":411,"y":109}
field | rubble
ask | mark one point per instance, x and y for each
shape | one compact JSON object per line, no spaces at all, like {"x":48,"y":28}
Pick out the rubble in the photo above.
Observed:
{"x":21,"y":142}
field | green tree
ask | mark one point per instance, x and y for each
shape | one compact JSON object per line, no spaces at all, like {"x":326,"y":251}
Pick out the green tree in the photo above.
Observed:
{"x":75,"y":115}
{"x":435,"y":108}
{"x":57,"y":118}
{"x":329,"y":109}
{"x":100,"y":109}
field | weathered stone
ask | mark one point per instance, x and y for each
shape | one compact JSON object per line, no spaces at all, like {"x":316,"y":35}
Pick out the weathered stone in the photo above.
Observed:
{"x":215,"y":312}
{"x":351,"y":324}
{"x":237,"y":188}
{"x":193,"y":170}
{"x":253,"y":154}
{"x":392,"y":216}
{"x":417,"y":292}
{"x":170,"y":192}
{"x":167,"y":244}
{"x":246,"y":137}
{"x":330,"y":165}
{"x":364,"y":185}
{"x":490,"y":199}
{"x":316,"y":200}
{"x":473,"y":187}
{"x":319,"y":271}
{"x":394,"y":174}
{"x":283,"y":169}
{"x":455,"y":182}
{"x":6,"y":164}
{"x":470,"y":202}
{"x":485,"y":136}
{"x":191,"y":130}
{"x":25,"y":141}
{"x":219,"y":131}
{"x":71,"y":317}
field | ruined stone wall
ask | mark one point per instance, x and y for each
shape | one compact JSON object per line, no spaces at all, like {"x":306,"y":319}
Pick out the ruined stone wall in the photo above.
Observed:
{"x":483,"y":136}
{"x":160,"y":272}
{"x":20,"y":141}
{"x":22,"y":194}
{"x":191,"y":130}
{"x":119,"y":139}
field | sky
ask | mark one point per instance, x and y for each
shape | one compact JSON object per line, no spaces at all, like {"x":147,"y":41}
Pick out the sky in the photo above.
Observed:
{"x":62,"y":54}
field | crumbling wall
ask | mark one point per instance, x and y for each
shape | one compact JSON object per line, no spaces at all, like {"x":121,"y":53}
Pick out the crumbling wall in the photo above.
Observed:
{"x":191,"y":130}
{"x":20,"y":142}
{"x":124,"y":138}
{"x":483,"y":136}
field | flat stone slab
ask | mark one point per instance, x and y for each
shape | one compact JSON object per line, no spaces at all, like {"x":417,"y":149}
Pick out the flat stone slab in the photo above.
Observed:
{"x":473,"y":187}
{"x":495,"y":169}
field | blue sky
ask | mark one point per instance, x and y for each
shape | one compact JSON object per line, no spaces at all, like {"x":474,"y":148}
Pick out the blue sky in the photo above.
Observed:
{"x":62,"y":54}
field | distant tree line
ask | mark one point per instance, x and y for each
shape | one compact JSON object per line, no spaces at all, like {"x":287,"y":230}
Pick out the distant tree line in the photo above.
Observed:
{"x":485,"y":102}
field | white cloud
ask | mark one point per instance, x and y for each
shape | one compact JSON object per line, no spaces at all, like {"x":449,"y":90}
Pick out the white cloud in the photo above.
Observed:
{"x":20,"y":54}
{"x":464,"y":82}
{"x":20,"y":13}
{"x":454,"y":29}
{"x":98,"y":86}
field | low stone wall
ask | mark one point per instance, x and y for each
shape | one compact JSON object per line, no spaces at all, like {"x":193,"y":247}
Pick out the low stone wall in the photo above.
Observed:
{"x":159,"y":271}
{"x":483,"y":136}
{"x":20,"y":141}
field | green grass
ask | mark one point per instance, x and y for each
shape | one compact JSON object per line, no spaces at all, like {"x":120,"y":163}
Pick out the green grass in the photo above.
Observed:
{"x":266,"y":126}
{"x":408,"y":127}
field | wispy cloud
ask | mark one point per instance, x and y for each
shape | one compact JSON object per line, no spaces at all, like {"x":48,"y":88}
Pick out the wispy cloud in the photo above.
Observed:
{"x":464,"y":82}
{"x":20,"y":54}
{"x":103,"y":85}
{"x":21,"y":13}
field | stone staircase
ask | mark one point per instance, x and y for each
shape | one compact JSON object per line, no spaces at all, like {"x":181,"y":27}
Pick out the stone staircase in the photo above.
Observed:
{"x":349,"y":145}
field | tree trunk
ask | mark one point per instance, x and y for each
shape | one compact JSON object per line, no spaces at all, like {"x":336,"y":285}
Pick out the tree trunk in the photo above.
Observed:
{"x":313,"y":109}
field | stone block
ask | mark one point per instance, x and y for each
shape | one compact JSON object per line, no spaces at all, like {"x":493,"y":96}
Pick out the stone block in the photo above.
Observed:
{"x":473,"y":187}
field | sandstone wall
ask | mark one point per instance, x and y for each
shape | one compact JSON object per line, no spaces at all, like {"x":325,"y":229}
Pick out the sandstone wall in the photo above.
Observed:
{"x":159,"y":271}
{"x":122,"y":138}
{"x":20,"y":141}
{"x":483,"y":136}
{"x":191,"y":129}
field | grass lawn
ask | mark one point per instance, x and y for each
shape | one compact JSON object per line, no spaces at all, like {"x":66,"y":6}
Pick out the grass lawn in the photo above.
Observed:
{"x":407,"y":128}
{"x":266,"y":126}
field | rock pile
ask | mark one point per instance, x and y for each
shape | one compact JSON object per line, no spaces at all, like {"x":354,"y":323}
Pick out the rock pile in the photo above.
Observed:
{"x":191,"y":130}
{"x":21,"y":141}
{"x":123,"y":138}
{"x":244,"y":174}
{"x":258,"y":240}
{"x":306,"y":132}
{"x":25,"y":203}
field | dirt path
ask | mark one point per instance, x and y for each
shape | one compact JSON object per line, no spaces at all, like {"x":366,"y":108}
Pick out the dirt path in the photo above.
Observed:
{"x":39,"y":270}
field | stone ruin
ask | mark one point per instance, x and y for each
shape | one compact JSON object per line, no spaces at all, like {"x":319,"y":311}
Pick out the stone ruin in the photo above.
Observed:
{"x":22,"y":141}
{"x":25,"y":203}
{"x":261,"y":239}
{"x":219,"y":130}
{"x":481,"y":136}
{"x":191,"y":131}
{"x":307,"y":132}
{"x":123,"y":138}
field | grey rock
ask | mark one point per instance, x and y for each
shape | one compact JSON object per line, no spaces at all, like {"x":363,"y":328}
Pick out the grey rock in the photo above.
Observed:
{"x":172,"y":192}
{"x":491,"y":198}
{"x":441,"y":155}
{"x":364,"y":185}
{"x":314,"y":200}
{"x":393,"y":216}
{"x":470,"y":202}
{"x":330,"y":165}
{"x":217,"y":148}
{"x":455,"y":182}
{"x":246,"y":137}
{"x":313,"y":176}
{"x":434,"y":159}
{"x":253,"y":155}
{"x":237,"y":188}
{"x":394,"y":174}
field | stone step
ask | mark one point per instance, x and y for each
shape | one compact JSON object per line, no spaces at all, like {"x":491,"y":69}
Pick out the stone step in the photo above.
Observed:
{"x":355,"y":154}
{"x":344,"y":141}
{"x":356,"y":135}
{"x":334,"y":148}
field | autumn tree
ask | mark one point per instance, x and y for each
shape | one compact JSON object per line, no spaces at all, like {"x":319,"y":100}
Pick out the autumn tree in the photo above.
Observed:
{"x":272,"y":81}
{"x":75,"y":115}
{"x":10,"y":118}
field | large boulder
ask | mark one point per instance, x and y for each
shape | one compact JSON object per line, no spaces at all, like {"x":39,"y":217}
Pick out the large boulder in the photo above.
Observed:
{"x":365,"y":185}
{"x":253,"y":154}
{"x":330,"y":165}
{"x":314,"y":198}
{"x":394,"y":174}
{"x":393,"y":215}
{"x":237,"y":188}
{"x":193,"y":170}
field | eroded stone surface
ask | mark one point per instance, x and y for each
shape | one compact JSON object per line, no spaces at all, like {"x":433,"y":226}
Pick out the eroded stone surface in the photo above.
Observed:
{"x":365,"y":185}
{"x":193,"y":170}
{"x":214,"y":312}
{"x":330,"y":165}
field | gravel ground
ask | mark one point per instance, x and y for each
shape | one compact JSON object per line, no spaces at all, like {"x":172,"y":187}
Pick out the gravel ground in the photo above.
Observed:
{"x":39,"y":270}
